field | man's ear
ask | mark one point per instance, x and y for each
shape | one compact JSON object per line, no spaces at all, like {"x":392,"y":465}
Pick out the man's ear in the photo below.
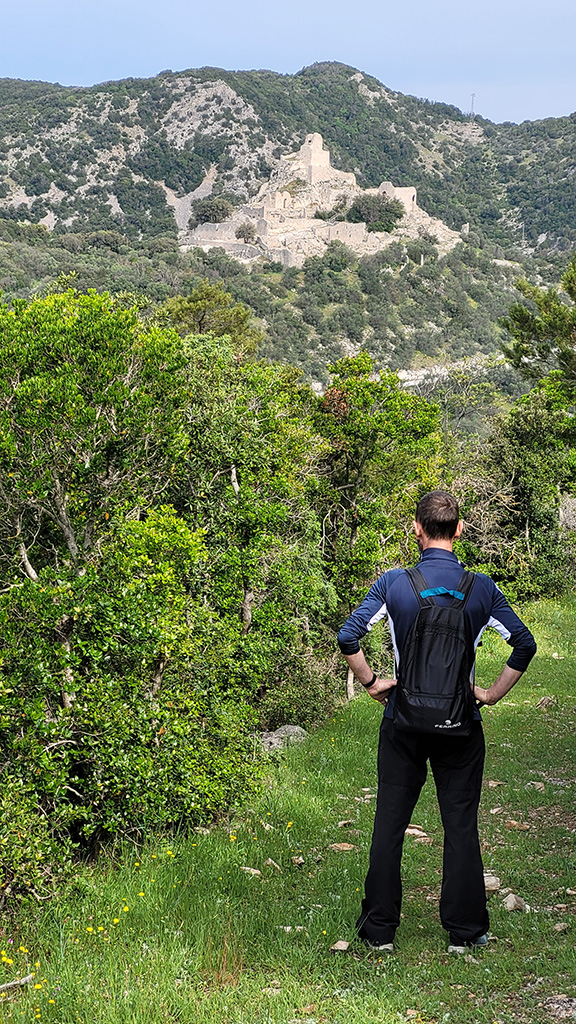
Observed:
{"x":459,"y":529}
{"x":417,"y":528}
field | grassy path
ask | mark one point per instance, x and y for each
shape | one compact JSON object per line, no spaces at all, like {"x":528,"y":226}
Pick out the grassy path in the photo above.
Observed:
{"x":180,"y":933}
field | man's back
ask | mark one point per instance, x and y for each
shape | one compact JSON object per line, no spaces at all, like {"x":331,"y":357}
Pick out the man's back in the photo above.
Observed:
{"x":393,"y":596}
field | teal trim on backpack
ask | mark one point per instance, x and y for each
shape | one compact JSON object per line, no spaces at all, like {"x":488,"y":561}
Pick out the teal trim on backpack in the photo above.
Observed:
{"x":436,"y":591}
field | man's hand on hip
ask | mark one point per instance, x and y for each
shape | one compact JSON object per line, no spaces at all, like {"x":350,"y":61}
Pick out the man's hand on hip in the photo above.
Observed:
{"x":381,"y":689}
{"x":500,"y":687}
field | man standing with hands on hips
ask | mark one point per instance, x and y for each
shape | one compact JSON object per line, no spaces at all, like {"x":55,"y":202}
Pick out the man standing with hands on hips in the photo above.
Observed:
{"x":437,"y":613}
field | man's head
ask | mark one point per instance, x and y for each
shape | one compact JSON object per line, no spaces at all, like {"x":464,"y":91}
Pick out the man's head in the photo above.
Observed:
{"x":437,"y":520}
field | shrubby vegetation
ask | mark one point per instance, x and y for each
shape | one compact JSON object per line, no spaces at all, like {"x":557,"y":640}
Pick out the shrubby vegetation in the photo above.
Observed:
{"x":167,"y":586}
{"x":246,"y":232}
{"x":184,"y":524}
{"x":510,"y":183}
{"x":377,"y":212}
{"x":210,"y":211}
{"x":405,"y":305}
{"x":543,"y":329}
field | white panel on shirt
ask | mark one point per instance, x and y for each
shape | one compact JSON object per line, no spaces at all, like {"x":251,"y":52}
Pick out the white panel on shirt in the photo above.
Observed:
{"x":377,"y":617}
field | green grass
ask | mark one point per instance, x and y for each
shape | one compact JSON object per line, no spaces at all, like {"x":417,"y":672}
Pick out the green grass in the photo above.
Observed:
{"x":202,"y":941}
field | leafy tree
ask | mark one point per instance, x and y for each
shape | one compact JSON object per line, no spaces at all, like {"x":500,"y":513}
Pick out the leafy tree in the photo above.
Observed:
{"x":86,"y":423}
{"x":469,"y":394}
{"x":246,"y":232}
{"x":212,"y":210}
{"x":351,"y":321}
{"x":338,"y":256}
{"x":163,"y":584}
{"x":100,"y":599}
{"x":514,"y":488}
{"x":377,"y":212}
{"x":544,"y":332}
{"x":384,"y":446}
{"x":209,"y":309}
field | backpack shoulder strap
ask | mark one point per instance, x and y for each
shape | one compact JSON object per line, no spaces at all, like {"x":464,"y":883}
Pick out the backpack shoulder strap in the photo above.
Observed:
{"x":426,"y":594}
{"x":465,"y":585}
{"x":420,"y":587}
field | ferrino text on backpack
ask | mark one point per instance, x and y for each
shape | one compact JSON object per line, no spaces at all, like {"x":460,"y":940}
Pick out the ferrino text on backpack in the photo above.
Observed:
{"x":433,"y":692}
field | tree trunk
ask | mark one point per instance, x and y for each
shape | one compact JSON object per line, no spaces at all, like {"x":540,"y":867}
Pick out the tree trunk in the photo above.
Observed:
{"x":65,"y":627}
{"x":246,"y":607}
{"x":23,"y":552}
{"x":63,"y":520}
{"x":158,"y":674}
{"x":350,"y":685}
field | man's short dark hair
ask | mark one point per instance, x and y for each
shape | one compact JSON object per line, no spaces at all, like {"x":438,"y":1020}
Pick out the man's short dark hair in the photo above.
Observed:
{"x":438,"y":515}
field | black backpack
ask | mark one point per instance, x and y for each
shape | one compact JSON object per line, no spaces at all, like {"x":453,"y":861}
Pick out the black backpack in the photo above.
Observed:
{"x":433,"y":692}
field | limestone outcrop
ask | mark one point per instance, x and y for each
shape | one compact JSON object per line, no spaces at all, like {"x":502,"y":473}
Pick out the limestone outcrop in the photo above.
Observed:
{"x":281,"y":217}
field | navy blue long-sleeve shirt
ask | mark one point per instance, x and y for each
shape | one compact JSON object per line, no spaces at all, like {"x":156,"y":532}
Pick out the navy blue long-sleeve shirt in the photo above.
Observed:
{"x":393,"y":596}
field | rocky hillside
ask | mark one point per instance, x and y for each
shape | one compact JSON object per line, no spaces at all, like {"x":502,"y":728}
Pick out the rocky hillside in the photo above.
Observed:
{"x":134,"y":155}
{"x":101,"y":187}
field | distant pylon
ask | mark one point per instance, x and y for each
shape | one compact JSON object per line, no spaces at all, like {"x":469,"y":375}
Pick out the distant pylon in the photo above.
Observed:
{"x":472,"y":106}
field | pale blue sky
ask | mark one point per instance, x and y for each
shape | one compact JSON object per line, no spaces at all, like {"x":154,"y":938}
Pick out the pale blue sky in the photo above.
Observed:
{"x":517,"y":57}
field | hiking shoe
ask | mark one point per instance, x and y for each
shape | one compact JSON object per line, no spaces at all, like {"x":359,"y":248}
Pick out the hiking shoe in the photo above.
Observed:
{"x":482,"y":940}
{"x":382,"y":947}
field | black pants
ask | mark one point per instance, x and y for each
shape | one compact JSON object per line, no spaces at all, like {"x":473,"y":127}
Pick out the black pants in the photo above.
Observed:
{"x":457,"y":764}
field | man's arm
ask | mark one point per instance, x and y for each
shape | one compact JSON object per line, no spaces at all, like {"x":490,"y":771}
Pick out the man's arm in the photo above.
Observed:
{"x":380,"y":689}
{"x":500,"y":687}
{"x":504,"y":619}
{"x":372,"y":610}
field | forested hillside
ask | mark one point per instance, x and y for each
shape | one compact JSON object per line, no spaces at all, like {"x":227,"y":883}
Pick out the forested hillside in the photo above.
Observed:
{"x":100,"y":183}
{"x":405,"y":305}
{"x":102,"y":157}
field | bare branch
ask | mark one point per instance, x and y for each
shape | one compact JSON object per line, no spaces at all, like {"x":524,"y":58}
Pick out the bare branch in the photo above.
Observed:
{"x":63,"y":519}
{"x":59,"y":743}
{"x":22,"y":551}
{"x":16,"y":984}
{"x":246,"y":607}
{"x":75,"y":791}
{"x":65,"y":626}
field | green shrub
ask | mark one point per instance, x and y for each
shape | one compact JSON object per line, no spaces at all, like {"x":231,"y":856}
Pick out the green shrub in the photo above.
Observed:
{"x":212,"y":210}
{"x":246,"y":232}
{"x":377,"y":212}
{"x":145,"y":738}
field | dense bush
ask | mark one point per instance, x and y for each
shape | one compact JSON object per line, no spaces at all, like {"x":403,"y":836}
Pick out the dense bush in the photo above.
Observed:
{"x":377,"y":212}
{"x":212,"y":210}
{"x":246,"y":232}
{"x":141,"y":637}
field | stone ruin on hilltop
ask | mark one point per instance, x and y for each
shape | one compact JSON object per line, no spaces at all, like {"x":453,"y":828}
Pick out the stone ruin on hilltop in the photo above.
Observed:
{"x":282,"y":218}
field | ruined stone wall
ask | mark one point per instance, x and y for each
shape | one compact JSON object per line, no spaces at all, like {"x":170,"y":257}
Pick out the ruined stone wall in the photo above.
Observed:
{"x":350,"y":234}
{"x":283,"y":213}
{"x":406,"y":195}
{"x":312,"y":164}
